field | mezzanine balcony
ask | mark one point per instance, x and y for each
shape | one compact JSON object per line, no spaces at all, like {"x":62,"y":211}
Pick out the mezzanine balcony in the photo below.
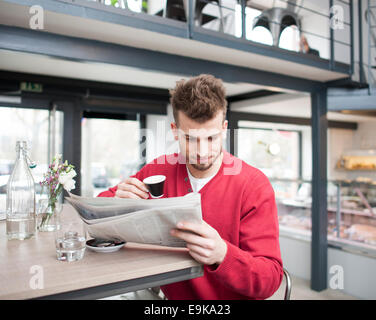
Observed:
{"x":260,"y":35}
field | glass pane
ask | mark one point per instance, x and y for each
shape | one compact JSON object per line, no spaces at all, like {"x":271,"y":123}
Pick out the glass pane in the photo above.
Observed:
{"x":294,"y":205}
{"x":275,"y":152}
{"x":110,"y":153}
{"x":133,"y":5}
{"x":32,"y":126}
{"x":290,"y":39}
{"x":261,"y":35}
{"x":353,"y":218}
{"x":219,"y":16}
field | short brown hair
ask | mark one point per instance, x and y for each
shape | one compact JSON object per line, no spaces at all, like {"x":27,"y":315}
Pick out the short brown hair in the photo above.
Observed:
{"x":199,"y":98}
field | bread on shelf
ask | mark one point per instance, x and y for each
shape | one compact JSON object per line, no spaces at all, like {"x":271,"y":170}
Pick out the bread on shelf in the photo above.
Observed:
{"x":357,"y":162}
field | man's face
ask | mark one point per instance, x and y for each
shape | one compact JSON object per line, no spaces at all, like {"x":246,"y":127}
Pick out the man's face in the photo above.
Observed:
{"x":201,"y":143}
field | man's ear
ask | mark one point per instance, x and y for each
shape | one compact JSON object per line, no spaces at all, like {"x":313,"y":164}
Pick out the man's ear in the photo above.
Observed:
{"x":174,"y":129}
{"x":224,"y":128}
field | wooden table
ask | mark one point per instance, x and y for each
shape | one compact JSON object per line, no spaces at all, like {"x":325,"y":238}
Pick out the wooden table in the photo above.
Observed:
{"x":29,"y":268}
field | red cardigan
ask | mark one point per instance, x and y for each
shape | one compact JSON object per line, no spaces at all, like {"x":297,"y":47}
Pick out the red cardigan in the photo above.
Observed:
{"x":239,"y":203}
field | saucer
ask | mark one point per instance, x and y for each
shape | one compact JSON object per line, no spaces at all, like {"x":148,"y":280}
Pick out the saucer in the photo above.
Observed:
{"x":105,"y":246}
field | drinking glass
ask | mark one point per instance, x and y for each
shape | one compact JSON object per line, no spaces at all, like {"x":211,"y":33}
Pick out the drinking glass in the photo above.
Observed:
{"x":70,"y":241}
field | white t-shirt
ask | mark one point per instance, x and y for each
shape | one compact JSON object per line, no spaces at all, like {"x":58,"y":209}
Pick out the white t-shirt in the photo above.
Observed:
{"x":198,"y":183}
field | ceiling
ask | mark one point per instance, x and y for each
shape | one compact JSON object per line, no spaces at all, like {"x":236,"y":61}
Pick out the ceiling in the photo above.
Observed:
{"x":45,"y":65}
{"x":294,"y":105}
{"x":290,"y":104}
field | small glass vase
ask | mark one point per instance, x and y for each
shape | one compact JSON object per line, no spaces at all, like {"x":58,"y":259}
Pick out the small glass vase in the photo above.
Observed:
{"x":48,"y":215}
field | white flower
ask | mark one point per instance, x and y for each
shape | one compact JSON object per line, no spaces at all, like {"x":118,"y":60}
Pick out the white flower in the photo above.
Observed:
{"x":72,"y":173}
{"x":66,"y":176}
{"x":69,"y":185}
{"x":66,"y":179}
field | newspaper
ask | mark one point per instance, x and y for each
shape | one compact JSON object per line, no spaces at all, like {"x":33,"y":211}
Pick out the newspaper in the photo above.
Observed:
{"x":137,"y":220}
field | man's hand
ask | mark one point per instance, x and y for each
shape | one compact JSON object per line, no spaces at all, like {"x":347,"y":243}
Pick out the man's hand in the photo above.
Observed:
{"x":203,"y":241}
{"x":132,"y":188}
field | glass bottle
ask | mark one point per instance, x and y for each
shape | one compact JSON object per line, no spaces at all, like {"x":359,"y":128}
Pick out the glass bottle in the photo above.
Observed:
{"x":20,"y":204}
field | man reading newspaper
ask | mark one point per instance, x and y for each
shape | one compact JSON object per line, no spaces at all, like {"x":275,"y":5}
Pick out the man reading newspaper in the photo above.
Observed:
{"x":238,"y":240}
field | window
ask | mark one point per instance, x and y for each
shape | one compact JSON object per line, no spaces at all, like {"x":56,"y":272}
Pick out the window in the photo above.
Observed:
{"x":275,"y":152}
{"x":290,"y":38}
{"x":261,"y":35}
{"x":31,"y":125}
{"x":133,"y":5}
{"x":110,"y":153}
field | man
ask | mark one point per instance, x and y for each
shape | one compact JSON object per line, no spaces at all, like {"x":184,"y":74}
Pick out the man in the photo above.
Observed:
{"x":238,"y":240}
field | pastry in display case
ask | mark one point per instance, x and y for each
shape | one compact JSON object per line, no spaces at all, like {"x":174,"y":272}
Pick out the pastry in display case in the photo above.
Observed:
{"x":362,"y":232}
{"x":358,"y":160}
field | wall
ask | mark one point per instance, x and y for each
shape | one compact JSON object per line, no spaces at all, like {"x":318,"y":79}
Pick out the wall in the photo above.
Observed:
{"x":342,"y":141}
{"x":339,"y":140}
{"x":358,"y":270}
{"x":306,"y":152}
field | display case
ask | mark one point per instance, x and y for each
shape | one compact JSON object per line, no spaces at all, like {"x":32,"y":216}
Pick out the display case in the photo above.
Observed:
{"x":362,"y":159}
{"x":351,"y":211}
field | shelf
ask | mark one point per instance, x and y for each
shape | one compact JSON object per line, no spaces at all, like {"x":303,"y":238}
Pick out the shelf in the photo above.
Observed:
{"x":354,"y":212}
{"x":358,"y":169}
{"x":305,"y":205}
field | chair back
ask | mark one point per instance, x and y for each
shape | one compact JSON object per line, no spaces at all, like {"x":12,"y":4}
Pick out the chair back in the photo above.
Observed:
{"x":288,"y":284}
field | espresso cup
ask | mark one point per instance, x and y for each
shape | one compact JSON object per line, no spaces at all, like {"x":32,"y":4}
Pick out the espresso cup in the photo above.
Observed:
{"x":155,"y":185}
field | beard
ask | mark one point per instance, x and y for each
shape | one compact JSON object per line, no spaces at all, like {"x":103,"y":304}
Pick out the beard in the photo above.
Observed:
{"x":202,"y":166}
{"x":208,"y":165}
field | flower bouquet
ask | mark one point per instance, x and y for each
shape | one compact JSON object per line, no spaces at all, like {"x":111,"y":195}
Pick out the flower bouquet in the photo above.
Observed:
{"x":58,"y":177}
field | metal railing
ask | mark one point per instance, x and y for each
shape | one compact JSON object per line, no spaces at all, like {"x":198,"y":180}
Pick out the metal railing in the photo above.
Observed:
{"x":371,"y":40}
{"x":329,"y":30}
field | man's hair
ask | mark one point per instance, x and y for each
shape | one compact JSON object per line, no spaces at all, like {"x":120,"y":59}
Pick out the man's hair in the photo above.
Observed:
{"x":200,"y":98}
